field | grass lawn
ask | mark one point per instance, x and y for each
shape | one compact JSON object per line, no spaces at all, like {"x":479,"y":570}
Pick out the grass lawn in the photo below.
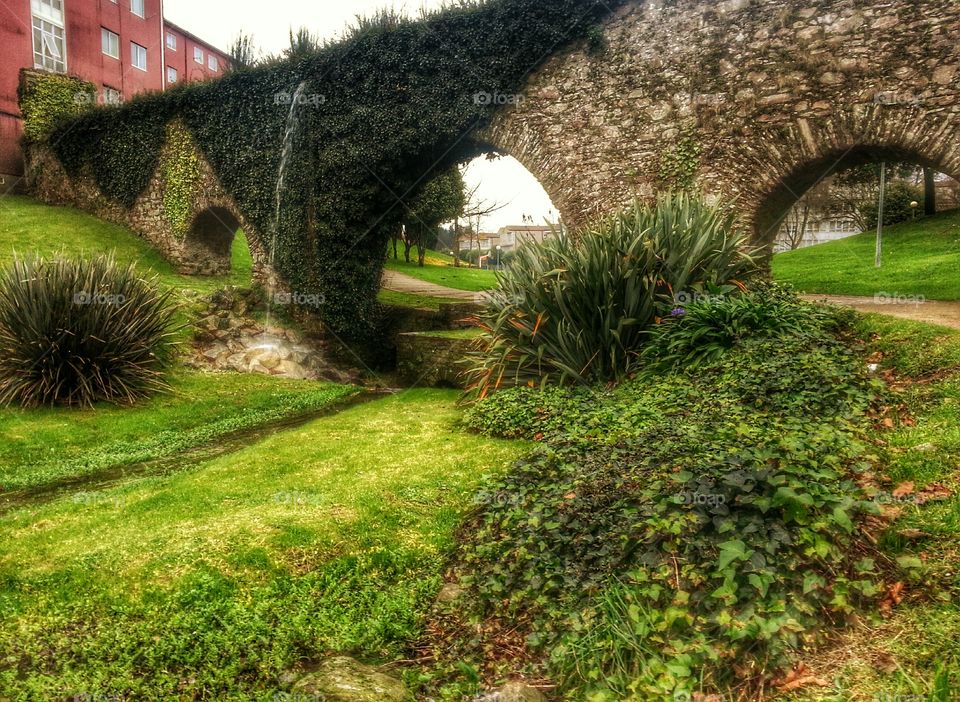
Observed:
{"x":209,"y":583}
{"x":919,"y":258}
{"x":28,"y":226}
{"x":439,"y":270}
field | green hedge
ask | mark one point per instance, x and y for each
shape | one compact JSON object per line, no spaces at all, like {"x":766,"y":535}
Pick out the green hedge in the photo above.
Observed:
{"x":48,"y":98}
{"x":388,"y":108}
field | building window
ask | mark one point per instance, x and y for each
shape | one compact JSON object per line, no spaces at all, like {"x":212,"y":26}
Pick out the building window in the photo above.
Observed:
{"x":111,"y":96}
{"x":138,"y":56}
{"x":212,"y":62}
{"x":110,"y":42}
{"x":198,"y":54}
{"x":171,"y":75}
{"x":171,"y":41}
{"x":137,"y":8}
{"x":49,"y":41}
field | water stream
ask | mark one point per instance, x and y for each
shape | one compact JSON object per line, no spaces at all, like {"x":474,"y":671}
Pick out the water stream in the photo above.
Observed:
{"x":289,"y":134}
{"x":168,"y":465}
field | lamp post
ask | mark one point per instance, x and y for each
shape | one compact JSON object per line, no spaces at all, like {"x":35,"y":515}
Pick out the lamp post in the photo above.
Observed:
{"x":913,"y":208}
{"x":878,"y":259}
{"x":499,"y":249}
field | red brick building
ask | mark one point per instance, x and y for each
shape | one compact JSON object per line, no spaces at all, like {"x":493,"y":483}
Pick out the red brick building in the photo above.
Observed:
{"x":124,"y":47}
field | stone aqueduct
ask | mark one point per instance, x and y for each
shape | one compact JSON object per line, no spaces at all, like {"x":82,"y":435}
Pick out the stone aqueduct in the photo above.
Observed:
{"x":751,"y":100}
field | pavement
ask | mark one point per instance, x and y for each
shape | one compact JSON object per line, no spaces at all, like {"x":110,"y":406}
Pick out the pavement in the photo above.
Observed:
{"x":946,"y":314}
{"x":399,"y":282}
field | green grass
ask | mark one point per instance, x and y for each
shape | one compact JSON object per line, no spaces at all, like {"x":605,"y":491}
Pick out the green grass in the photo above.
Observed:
{"x":45,"y":445}
{"x":920,"y":258}
{"x":28,"y":226}
{"x":441,"y":271}
{"x":209,"y":583}
{"x":923,"y":448}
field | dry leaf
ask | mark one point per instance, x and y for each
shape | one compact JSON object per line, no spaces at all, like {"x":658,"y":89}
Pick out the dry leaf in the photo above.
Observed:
{"x":934,"y":492}
{"x":888,"y":423}
{"x":799,"y":677}
{"x":903,"y":489}
{"x":893,"y":597}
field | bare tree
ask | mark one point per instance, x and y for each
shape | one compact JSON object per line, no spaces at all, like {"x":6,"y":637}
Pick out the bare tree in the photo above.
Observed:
{"x":476,"y":210}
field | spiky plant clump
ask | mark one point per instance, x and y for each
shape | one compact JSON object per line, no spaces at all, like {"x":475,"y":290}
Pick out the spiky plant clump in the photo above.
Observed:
{"x":76,"y":332}
{"x":578,"y":310}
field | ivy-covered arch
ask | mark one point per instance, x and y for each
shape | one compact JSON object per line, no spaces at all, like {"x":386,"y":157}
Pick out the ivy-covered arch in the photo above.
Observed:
{"x":377,"y":116}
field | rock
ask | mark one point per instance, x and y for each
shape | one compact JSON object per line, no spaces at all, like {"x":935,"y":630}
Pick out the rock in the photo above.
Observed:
{"x":343,"y":679}
{"x":514,"y":691}
{"x":449,"y":593}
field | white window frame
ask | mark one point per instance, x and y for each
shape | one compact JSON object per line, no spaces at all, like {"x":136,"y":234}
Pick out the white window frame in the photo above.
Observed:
{"x":133,"y":56}
{"x":138,"y":4}
{"x":198,"y":55}
{"x":171,"y":41}
{"x":172,"y":75}
{"x":109,"y":39}
{"x":212,"y":63}
{"x":47,"y":21}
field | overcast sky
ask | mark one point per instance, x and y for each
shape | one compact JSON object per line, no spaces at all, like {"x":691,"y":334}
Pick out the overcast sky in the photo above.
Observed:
{"x":504,"y":181}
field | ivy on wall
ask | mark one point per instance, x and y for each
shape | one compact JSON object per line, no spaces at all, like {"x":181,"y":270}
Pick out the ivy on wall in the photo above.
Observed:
{"x":180,"y":175}
{"x":48,"y":98}
{"x":679,"y":166}
{"x":380,"y":114}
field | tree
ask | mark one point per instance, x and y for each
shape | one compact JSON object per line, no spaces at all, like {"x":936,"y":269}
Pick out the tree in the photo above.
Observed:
{"x":302,"y":44}
{"x":475,"y":210}
{"x":897,"y":204}
{"x":441,"y":200}
{"x":243,"y":53}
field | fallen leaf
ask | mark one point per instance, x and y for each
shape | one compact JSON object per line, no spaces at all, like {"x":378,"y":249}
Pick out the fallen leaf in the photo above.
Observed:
{"x":799,"y":677}
{"x":893,"y":597}
{"x":888,"y":423}
{"x":903,"y":489}
{"x":912,"y":534}
{"x":934,"y":492}
{"x":885,"y":662}
{"x":570,"y":496}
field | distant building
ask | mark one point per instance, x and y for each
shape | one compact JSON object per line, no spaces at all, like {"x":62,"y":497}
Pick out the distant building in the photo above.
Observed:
{"x":509,"y":238}
{"x":820,"y":228}
{"x":124,"y":47}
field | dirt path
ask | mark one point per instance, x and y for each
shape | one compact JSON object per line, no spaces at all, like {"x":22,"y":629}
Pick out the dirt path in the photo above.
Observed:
{"x":946,"y":314}
{"x":398,"y":282}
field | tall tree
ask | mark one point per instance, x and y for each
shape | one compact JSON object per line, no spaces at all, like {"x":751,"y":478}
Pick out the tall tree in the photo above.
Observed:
{"x":243,"y":52}
{"x":929,"y":192}
{"x":443,"y":199}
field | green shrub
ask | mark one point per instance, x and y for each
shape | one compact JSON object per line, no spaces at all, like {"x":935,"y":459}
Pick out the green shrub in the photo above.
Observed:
{"x":682,"y":523}
{"x":705,"y":328}
{"x":896,"y":205}
{"x":76,"y":332}
{"x":578,"y":310}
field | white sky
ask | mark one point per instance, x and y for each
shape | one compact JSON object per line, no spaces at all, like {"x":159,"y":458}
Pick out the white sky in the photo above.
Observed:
{"x":503,"y":181}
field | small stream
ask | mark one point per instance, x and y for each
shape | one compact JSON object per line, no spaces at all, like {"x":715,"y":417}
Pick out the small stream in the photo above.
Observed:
{"x":168,"y":465}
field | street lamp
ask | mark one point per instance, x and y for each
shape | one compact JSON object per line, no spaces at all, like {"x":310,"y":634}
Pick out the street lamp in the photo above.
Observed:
{"x":913,"y":207}
{"x":499,"y":249}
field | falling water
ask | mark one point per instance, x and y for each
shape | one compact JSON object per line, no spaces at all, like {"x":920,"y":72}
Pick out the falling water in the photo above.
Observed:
{"x":293,"y":123}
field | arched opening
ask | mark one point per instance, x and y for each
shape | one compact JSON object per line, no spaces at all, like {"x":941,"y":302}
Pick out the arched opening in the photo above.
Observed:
{"x":777,"y":206}
{"x":208,"y":246}
{"x":508,"y":208}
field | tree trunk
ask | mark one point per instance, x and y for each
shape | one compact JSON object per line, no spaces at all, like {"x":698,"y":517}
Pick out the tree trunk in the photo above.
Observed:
{"x":929,"y":192}
{"x":421,"y":246}
{"x":456,"y":243}
{"x":407,"y":246}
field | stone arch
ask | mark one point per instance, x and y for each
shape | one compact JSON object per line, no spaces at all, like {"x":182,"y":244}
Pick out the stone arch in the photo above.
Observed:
{"x":208,"y":244}
{"x":784,"y":170}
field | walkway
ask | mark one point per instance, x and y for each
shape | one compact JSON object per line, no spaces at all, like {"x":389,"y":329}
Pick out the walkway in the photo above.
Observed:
{"x":399,"y":282}
{"x":946,"y":314}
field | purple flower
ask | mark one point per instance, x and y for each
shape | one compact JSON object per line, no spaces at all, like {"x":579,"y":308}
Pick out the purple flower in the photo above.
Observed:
{"x":678,"y":312}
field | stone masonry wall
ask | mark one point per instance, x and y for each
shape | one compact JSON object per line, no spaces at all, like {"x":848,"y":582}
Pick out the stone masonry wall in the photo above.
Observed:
{"x":148,"y":216}
{"x":748,"y":99}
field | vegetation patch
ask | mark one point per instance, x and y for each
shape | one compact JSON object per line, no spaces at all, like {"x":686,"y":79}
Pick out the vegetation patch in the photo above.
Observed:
{"x":694,"y":528}
{"x":180,"y":173}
